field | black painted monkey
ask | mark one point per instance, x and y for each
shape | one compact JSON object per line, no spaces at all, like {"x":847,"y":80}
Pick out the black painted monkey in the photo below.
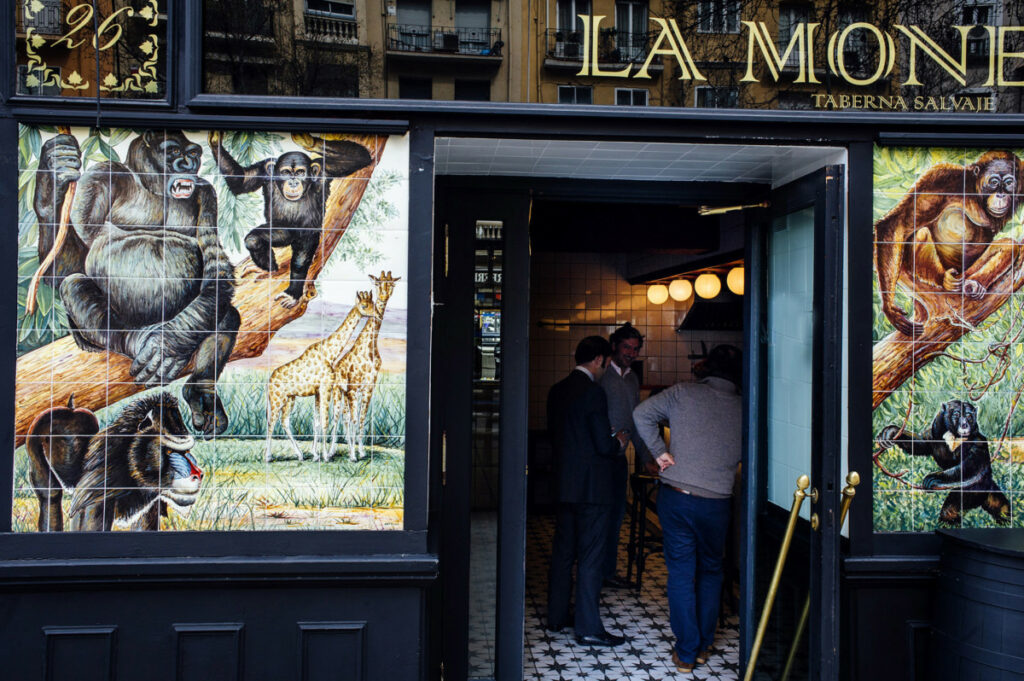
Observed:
{"x":956,"y":444}
{"x":294,"y":194}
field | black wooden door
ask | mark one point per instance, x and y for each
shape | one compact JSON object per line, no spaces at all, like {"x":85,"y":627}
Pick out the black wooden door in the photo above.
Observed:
{"x":794,"y":418}
{"x":481,"y":346}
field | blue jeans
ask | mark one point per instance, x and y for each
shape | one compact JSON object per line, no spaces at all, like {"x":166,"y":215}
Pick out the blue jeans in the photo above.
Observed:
{"x":694,"y":532}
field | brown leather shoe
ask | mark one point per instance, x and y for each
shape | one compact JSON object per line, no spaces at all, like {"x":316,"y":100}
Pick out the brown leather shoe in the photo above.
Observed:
{"x":704,"y":655}
{"x":685,"y":667}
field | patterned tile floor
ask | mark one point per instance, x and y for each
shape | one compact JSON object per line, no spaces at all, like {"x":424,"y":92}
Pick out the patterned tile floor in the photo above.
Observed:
{"x":642,"y":617}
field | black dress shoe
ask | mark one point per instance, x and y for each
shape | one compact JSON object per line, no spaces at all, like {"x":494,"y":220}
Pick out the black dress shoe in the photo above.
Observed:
{"x":617,"y":582}
{"x":602,"y":639}
{"x":564,"y":625}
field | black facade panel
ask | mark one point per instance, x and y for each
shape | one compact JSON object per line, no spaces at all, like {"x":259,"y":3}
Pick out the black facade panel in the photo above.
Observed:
{"x":210,"y":651}
{"x":82,"y":653}
{"x":110,"y":631}
{"x":332,"y":651}
{"x":886,"y":617}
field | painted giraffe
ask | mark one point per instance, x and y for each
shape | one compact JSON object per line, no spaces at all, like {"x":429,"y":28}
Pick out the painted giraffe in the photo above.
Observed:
{"x":312,"y":373}
{"x":355,"y":374}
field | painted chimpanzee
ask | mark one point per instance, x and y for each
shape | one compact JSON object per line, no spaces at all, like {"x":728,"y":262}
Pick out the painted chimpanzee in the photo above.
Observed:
{"x":294,"y":192}
{"x":144,"y":273}
{"x":956,"y":444}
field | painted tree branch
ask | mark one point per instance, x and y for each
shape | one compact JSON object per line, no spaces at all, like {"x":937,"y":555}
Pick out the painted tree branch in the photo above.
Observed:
{"x":48,"y":375}
{"x":895,"y":359}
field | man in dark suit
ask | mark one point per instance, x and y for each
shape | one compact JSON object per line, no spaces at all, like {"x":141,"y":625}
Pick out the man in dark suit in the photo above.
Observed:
{"x":586,"y":456}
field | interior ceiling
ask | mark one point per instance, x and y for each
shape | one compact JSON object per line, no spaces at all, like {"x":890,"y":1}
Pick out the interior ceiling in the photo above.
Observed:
{"x":595,"y":160}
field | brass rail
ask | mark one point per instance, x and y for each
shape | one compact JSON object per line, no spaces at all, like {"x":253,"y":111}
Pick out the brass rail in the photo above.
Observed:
{"x":802,"y":483}
{"x":852,"y":480}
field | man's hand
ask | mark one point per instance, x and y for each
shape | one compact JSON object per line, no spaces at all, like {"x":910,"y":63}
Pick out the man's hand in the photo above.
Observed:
{"x":665,"y":460}
{"x":623,"y":437}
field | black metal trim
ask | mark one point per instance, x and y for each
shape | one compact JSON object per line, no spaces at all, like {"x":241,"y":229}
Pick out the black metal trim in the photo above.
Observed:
{"x":515,"y":403}
{"x":860,"y":246}
{"x":418,"y":332}
{"x":754,"y":418}
{"x":150,"y":119}
{"x":826,"y":421}
{"x":890,"y":567}
{"x":165,"y":570}
{"x":8,"y":308}
{"x":954,"y":139}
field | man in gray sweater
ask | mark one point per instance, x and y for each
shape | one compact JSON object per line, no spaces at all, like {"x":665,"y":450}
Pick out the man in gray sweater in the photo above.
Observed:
{"x":622,"y":388}
{"x":705,"y":419}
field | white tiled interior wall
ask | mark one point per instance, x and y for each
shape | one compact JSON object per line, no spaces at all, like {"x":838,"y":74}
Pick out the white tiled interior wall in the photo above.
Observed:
{"x":586,"y":294}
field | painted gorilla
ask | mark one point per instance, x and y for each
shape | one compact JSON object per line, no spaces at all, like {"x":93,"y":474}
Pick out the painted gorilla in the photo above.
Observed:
{"x":960,"y":449}
{"x":294,"y":192}
{"x":142,"y":271}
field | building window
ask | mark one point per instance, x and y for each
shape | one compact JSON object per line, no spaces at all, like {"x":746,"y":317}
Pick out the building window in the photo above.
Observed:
{"x":53,"y":89}
{"x":977,"y":38}
{"x":332,"y":8}
{"x":472,"y":90}
{"x":790,"y":18}
{"x":575,"y":94}
{"x":860,"y":48}
{"x":630,"y":97}
{"x":718,"y":16}
{"x":709,"y":97}
{"x":631,"y":29}
{"x":568,"y":14}
{"x":415,"y":88}
{"x":413,"y":26}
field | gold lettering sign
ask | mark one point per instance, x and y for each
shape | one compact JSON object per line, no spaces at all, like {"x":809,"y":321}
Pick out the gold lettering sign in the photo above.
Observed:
{"x":60,"y":47}
{"x":798,"y":56}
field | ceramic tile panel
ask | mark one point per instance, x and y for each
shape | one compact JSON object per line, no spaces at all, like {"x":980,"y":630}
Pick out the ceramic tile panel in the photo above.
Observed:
{"x":947,"y":331}
{"x":212,"y":330}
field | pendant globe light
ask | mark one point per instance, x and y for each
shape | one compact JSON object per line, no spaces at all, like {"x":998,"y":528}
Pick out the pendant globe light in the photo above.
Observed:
{"x":657,"y":293}
{"x":680,"y":289}
{"x":734,"y":280}
{"x":707,"y":285}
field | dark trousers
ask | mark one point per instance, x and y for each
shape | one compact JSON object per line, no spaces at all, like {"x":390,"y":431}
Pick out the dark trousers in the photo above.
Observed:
{"x":580,"y":537}
{"x":694,"y":530}
{"x":615,"y":525}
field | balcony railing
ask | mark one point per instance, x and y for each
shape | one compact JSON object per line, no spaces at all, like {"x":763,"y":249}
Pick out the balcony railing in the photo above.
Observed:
{"x":613,"y":46}
{"x":331,"y":29}
{"x":484,"y":42}
{"x":45,"y":21}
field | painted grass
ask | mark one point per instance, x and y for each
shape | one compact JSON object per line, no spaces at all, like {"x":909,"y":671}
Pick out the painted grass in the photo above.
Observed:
{"x":241,"y":492}
{"x":897,"y":508}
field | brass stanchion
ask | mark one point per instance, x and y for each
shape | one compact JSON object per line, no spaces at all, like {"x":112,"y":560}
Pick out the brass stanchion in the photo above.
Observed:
{"x":852,"y":480}
{"x":802,"y":483}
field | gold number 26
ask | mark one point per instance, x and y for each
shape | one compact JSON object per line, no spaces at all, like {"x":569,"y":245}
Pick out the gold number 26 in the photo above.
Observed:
{"x":80,"y":16}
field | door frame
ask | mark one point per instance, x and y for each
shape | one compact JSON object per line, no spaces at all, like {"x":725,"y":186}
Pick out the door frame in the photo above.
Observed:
{"x":823,"y":190}
{"x":453,"y":362}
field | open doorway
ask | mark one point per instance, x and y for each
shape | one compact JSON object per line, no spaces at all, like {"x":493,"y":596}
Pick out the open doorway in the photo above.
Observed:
{"x":604,"y":221}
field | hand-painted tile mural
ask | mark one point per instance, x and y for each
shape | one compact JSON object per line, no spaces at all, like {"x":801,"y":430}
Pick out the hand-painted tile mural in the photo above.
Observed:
{"x":211,"y":330}
{"x":948,"y":339}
